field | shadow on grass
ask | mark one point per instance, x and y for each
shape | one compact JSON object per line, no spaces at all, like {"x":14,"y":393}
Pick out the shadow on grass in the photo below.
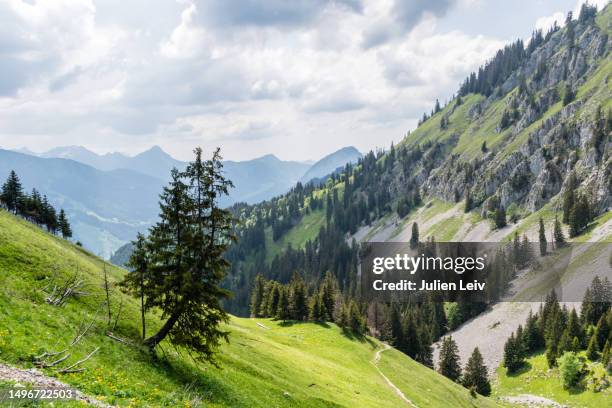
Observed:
{"x":193,"y":379}
{"x":526,"y":367}
{"x":289,"y":323}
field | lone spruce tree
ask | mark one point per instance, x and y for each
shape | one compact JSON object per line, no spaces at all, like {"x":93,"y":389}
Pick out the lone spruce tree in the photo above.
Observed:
{"x":186,"y":264}
{"x":449,"y":360}
{"x":475,"y":374}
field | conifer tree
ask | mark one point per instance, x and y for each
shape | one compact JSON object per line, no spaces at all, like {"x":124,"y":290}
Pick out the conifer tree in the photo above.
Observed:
{"x":315,"y":312}
{"x":425,"y":353}
{"x":282,"y":309}
{"x":298,"y":304}
{"x":475,"y":374}
{"x":410,"y":338}
{"x":12,"y":192}
{"x":257,"y":295}
{"x":64,"y":225}
{"x":605,"y":355}
{"x":602,"y":331}
{"x":468,"y":201}
{"x":414,"y":237}
{"x":542,"y":238}
{"x":136,"y":282}
{"x":512,"y":355}
{"x":558,"y":234}
{"x":186,"y":249}
{"x":569,"y":197}
{"x":500,"y":217}
{"x":579,"y":216}
{"x":592,"y":352}
{"x":273,"y":298}
{"x":328,"y":296}
{"x":449,"y":359}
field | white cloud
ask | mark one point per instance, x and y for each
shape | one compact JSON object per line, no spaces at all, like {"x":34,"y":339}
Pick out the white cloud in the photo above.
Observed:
{"x":545,"y":23}
{"x":195,"y":72}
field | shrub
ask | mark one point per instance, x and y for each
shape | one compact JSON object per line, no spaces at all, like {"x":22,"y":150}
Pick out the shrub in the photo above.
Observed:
{"x":570,"y":368}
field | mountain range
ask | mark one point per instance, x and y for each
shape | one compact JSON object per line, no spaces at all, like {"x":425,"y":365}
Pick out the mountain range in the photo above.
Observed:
{"x":111,"y":197}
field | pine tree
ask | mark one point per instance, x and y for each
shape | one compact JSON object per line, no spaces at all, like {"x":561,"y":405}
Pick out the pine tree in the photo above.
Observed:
{"x":186,"y":251}
{"x":512,"y":357}
{"x":273,"y":298}
{"x":558,"y":234}
{"x":605,"y":355}
{"x":500,"y":217}
{"x":315,"y":313}
{"x":282,"y":309}
{"x":414,"y":237}
{"x":328,"y":296}
{"x":257,"y":295}
{"x":542,"y":238}
{"x":579,"y":216}
{"x":425,"y":353}
{"x":298,"y":304}
{"x":138,"y":280}
{"x":592,"y":352}
{"x":64,"y":225}
{"x":483,"y":147}
{"x":12,"y":192}
{"x":475,"y":374}
{"x":410,"y":338}
{"x":602,"y":331}
{"x":449,"y":359}
{"x":468,"y":201}
{"x":569,"y":197}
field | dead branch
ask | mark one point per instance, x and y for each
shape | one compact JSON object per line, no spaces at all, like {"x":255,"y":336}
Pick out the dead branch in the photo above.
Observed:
{"x":60,"y":293}
{"x":70,"y":368}
{"x":119,"y":339}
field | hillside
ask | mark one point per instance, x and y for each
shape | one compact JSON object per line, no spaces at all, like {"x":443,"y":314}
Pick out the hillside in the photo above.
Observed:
{"x":266,"y":363}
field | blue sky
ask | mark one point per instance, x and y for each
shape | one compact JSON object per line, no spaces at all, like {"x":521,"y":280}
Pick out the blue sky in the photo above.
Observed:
{"x":297,"y":78}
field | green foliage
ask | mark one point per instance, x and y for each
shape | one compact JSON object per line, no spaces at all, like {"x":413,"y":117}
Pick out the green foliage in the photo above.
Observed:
{"x":558,"y":234}
{"x":580,"y":216}
{"x":592,"y":352}
{"x":542,"y":238}
{"x":184,"y":258}
{"x":475,"y":375}
{"x":569,"y":197}
{"x":570,"y":369}
{"x":500,"y":217}
{"x":449,"y":365}
{"x":414,"y":236}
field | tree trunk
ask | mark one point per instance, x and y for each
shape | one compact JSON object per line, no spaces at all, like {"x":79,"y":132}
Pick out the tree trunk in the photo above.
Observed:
{"x":158,"y":337}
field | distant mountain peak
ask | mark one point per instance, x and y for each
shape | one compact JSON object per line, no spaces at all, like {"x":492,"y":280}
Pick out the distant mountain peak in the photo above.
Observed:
{"x":331,"y":163}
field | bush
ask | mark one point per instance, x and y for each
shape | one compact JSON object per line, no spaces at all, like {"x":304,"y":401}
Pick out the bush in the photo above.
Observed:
{"x":570,"y":368}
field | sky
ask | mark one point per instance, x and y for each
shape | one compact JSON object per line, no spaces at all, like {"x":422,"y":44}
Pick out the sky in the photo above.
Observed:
{"x":294,"y":78}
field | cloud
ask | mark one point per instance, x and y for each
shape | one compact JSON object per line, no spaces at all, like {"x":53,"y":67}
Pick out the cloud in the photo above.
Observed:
{"x":223,"y":13}
{"x":402,"y":17}
{"x":409,"y":13}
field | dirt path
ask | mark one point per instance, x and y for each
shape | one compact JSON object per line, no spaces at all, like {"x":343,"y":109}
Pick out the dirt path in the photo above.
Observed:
{"x":389,"y":383}
{"x":36,"y":378}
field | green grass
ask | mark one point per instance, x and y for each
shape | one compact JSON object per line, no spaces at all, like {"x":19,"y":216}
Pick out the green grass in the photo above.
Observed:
{"x":445,"y":230}
{"x":427,"y":390}
{"x":301,"y":365}
{"x":307,"y":229}
{"x":537,"y":379}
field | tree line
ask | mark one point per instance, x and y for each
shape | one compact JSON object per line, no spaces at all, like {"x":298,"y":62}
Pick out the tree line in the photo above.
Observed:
{"x":563,"y":333}
{"x":33,"y":207}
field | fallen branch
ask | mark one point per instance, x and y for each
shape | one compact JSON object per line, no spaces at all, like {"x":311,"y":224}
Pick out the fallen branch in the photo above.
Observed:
{"x":70,"y":369}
